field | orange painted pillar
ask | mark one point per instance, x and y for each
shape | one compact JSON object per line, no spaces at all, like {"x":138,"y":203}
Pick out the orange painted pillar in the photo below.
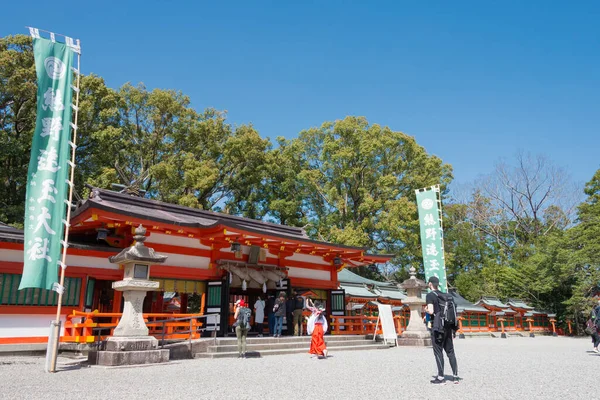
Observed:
{"x":461,"y":334}
{"x":503,"y":334}
{"x":569,"y":325}
{"x":530,"y":322}
{"x":202,"y":303}
{"x":553,"y":322}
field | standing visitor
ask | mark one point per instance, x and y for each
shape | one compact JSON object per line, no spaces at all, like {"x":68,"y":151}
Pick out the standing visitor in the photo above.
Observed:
{"x":259,"y":315}
{"x":316,"y":327}
{"x":279,"y":310}
{"x":596,"y":327}
{"x":442,"y":333}
{"x":271,"y":314}
{"x":297,"y":315}
{"x":289,"y":314}
{"x":242,"y":324}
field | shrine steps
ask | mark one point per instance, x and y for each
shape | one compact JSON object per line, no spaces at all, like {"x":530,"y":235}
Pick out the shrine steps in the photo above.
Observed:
{"x":260,"y":347}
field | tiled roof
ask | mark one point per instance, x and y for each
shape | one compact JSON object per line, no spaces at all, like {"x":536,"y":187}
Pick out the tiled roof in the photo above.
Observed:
{"x":492,"y":301}
{"x":10,"y":234}
{"x":515,"y":303}
{"x":354,"y":290}
{"x":392,"y":294}
{"x":463,"y":304}
{"x":347,"y":276}
{"x":159,"y":211}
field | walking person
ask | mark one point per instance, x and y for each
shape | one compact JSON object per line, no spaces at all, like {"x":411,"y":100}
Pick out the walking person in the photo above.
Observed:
{"x":297,"y":314}
{"x":441,"y":333}
{"x":271,"y":314}
{"x":259,"y":315}
{"x":316,"y":327}
{"x":279,"y":310}
{"x":242,"y":325}
{"x":596,"y":327}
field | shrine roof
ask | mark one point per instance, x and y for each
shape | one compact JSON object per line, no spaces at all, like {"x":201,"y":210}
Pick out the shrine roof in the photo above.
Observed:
{"x":186,"y":217}
{"x":515,"y":303}
{"x":492,"y":301}
{"x":358,"y":291}
{"x":159,"y":211}
{"x":346,"y":276}
{"x":463,"y":304}
{"x":392,"y":294}
{"x":10,"y":234}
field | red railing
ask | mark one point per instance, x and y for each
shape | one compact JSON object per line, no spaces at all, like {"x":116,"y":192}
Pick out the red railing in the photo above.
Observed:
{"x":88,"y":327}
{"x":362,"y":325}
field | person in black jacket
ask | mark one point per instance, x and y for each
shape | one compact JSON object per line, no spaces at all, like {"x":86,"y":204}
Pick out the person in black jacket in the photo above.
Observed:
{"x":271,"y":314}
{"x":289,"y":314}
{"x":440,"y":340}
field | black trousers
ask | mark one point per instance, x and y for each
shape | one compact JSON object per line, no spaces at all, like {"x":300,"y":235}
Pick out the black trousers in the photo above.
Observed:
{"x":442,"y":341}
{"x":596,"y":339}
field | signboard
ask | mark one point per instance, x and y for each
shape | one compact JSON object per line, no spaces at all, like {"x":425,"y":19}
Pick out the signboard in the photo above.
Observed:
{"x":386,"y":319}
{"x":432,"y":244}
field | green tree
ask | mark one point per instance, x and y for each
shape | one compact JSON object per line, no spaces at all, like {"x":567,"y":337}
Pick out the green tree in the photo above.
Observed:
{"x":213,"y":166}
{"x":580,"y":252}
{"x":360,"y":180}
{"x":18,"y":101}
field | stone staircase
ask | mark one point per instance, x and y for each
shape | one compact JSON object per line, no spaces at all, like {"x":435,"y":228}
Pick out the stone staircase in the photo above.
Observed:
{"x":266,"y":346}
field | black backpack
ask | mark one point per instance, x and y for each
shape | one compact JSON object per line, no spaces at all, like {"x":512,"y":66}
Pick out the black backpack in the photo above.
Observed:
{"x":243,"y":318}
{"x":447,"y":317}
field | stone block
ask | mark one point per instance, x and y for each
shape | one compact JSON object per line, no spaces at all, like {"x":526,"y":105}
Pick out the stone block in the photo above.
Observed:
{"x":415,"y":341}
{"x":115,"y":358}
{"x":141,"y":343}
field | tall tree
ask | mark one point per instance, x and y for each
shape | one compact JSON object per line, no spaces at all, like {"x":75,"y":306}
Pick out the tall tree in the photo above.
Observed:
{"x":361,"y":180}
{"x":519,"y":203}
{"x":213,"y":166}
{"x":580,"y":251}
{"x":18,"y":101}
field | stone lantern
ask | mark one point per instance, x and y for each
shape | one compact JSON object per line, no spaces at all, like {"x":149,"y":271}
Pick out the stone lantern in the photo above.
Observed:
{"x":416,"y":333}
{"x":130,"y":343}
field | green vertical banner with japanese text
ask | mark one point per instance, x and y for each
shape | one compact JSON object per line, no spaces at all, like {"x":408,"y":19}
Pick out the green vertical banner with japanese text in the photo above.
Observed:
{"x":432,"y":243}
{"x":47,"y":187}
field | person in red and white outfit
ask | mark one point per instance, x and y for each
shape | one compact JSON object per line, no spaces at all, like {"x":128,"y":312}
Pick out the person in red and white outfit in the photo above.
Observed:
{"x":316,"y":327}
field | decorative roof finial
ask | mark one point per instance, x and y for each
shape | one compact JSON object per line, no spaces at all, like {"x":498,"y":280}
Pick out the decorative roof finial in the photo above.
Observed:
{"x":140,"y":235}
{"x":412,"y":272}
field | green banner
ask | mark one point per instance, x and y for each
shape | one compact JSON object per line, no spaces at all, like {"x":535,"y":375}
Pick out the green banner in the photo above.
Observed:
{"x":47,"y":189}
{"x":432,"y":235}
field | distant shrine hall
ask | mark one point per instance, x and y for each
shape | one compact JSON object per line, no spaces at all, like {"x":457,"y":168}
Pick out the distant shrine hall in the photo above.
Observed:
{"x":213,"y":260}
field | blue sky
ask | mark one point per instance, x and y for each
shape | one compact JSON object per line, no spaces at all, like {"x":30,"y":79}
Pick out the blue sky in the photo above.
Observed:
{"x":473,"y":81}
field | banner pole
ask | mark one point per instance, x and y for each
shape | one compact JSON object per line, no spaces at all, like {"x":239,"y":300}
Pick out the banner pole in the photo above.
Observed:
{"x":63,"y":265}
{"x":439,"y":199}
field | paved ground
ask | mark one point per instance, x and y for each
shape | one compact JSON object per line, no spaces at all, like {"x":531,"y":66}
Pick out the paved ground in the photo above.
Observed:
{"x":540,"y":368}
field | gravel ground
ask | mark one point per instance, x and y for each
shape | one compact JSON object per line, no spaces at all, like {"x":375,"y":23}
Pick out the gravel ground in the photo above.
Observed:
{"x":541,"y":368}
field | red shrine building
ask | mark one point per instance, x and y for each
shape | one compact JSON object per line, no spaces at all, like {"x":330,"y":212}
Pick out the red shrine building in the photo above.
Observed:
{"x":213,"y":260}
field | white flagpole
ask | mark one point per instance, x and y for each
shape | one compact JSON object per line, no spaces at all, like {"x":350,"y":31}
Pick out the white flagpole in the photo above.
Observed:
{"x":63,"y":264}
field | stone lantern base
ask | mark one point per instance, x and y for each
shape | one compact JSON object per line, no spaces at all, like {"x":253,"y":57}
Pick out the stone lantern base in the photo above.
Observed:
{"x":415,"y":339}
{"x":129,"y":351}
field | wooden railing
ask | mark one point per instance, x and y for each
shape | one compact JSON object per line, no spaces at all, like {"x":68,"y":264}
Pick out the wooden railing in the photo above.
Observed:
{"x":88,"y":327}
{"x":362,"y":325}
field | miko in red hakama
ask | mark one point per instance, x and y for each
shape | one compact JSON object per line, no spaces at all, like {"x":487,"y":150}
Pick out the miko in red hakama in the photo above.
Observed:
{"x":317,"y":344}
{"x":316,"y":327}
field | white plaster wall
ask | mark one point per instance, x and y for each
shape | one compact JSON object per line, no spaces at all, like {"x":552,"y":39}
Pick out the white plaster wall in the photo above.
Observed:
{"x":26,"y":325}
{"x":181,"y":260}
{"x":175,"y":241}
{"x":309,"y":274}
{"x":75,"y":261}
{"x":308,"y":258}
